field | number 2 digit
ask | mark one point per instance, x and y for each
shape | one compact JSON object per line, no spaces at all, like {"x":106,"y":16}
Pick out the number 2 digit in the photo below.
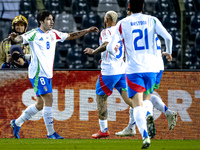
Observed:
{"x":140,"y":37}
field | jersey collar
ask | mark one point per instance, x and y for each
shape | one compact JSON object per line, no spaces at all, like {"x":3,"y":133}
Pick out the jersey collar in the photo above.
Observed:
{"x":136,"y":15}
{"x":41,"y":30}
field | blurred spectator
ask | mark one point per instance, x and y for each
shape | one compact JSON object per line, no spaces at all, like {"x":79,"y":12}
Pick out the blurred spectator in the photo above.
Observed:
{"x":19,"y":25}
{"x":16,"y":59}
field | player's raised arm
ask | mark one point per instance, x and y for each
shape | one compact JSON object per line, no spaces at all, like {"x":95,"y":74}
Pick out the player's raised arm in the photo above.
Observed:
{"x":100,"y":49}
{"x":15,"y":37}
{"x":75,"y":35}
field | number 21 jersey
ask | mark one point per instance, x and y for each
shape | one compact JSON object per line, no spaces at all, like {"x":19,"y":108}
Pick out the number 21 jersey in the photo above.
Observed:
{"x":138,"y":32}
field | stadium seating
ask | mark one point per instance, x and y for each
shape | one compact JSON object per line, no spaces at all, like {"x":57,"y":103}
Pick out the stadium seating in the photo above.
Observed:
{"x":149,"y":6}
{"x":79,"y":8}
{"x":194,"y":26}
{"x":171,"y":21}
{"x":27,"y":7}
{"x":55,"y":6}
{"x":197,"y":44}
{"x":162,"y":8}
{"x":73,"y":15}
{"x":190,"y":58}
{"x":93,"y":4}
{"x":60,"y":54}
{"x":65,"y":22}
{"x":32,"y":22}
{"x":67,"y":5}
{"x":176,"y":36}
{"x":107,"y":5}
{"x":91,"y":39}
{"x":122,"y":3}
{"x":75,"y":58}
{"x":91,"y":19}
{"x":189,"y":9}
{"x":5,"y":28}
{"x":96,"y":61}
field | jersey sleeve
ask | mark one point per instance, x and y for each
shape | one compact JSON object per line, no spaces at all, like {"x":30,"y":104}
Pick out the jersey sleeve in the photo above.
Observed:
{"x":105,"y":36}
{"x":60,"y":36}
{"x":117,"y":34}
{"x":160,"y":30}
{"x":29,"y":36}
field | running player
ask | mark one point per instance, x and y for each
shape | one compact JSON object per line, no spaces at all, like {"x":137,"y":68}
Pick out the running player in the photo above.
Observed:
{"x":138,"y":34}
{"x":42,"y":41}
{"x":112,"y":73}
{"x":155,"y":100}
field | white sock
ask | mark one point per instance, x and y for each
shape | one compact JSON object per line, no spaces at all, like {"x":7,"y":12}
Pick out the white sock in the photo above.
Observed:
{"x":148,"y":107}
{"x":140,"y":120}
{"x":28,"y":113}
{"x":48,"y":119}
{"x":103,"y":125}
{"x":131,"y":124}
{"x":158,"y":104}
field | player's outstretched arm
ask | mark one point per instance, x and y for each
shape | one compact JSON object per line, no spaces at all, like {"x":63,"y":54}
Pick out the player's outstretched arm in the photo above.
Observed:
{"x":15,"y":37}
{"x":100,"y":49}
{"x":75,"y":35}
{"x":168,"y":56}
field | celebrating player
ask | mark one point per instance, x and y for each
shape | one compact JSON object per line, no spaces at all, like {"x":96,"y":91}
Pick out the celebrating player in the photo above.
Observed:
{"x":112,"y":73}
{"x":155,"y":100}
{"x":138,"y":33}
{"x":42,"y":41}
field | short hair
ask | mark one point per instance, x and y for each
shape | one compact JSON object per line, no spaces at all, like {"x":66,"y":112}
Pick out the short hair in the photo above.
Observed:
{"x":136,"y":6}
{"x":112,"y":15}
{"x":42,"y":15}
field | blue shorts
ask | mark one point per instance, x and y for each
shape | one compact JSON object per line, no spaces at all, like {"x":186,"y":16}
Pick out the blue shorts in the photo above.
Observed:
{"x":106,"y":83}
{"x":41,"y":85}
{"x":140,"y":82}
{"x":158,"y":79}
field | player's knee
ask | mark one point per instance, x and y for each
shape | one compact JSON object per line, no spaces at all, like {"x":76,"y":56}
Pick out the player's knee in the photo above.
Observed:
{"x":39,"y":106}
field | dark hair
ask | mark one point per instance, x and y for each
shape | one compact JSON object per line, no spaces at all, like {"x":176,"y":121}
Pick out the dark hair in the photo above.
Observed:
{"x":136,"y":6}
{"x":42,"y":15}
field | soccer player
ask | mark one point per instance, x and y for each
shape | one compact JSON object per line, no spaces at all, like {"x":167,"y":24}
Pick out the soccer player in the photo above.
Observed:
{"x":155,"y":100}
{"x":112,"y":73}
{"x":138,"y":34}
{"x":42,"y":41}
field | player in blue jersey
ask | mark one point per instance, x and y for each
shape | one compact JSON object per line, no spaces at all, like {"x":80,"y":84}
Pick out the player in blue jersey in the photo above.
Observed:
{"x":138,"y":32}
{"x":42,"y":41}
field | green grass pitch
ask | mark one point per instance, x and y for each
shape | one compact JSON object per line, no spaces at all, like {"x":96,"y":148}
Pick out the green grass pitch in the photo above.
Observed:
{"x":96,"y":144}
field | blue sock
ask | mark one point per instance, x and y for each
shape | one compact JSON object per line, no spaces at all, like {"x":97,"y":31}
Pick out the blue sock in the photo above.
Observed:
{"x":166,"y":108}
{"x":145,"y":134}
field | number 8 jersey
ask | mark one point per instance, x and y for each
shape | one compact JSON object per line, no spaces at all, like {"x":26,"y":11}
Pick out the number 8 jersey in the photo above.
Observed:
{"x":138,"y":33}
{"x":42,"y":47}
{"x":111,"y":64}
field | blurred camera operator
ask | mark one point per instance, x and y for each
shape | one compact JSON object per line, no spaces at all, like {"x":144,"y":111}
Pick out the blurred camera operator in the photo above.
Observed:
{"x":16,"y":59}
{"x":19,"y":26}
